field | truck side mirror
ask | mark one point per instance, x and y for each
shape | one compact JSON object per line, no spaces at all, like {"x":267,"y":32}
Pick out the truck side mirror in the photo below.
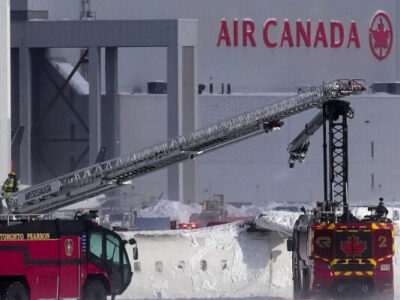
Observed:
{"x":289,"y":244}
{"x":135,"y":252}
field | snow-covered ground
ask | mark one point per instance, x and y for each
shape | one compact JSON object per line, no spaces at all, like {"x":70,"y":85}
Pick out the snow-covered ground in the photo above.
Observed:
{"x":224,"y":261}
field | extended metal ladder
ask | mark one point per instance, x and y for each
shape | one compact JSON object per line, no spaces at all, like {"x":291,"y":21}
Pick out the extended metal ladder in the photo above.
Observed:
{"x":96,"y":179}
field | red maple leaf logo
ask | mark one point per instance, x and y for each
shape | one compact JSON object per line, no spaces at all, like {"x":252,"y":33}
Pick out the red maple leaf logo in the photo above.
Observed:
{"x":353,"y":246}
{"x":381,"y":35}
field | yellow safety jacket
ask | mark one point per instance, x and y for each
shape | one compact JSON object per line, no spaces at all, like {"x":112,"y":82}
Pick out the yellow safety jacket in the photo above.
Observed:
{"x":9,"y":186}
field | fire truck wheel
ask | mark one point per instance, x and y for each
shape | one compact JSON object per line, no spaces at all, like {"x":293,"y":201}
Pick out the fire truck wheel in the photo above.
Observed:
{"x":94,"y":290}
{"x":16,"y":291}
{"x":388,"y":296}
{"x":296,"y":285}
{"x":306,"y":284}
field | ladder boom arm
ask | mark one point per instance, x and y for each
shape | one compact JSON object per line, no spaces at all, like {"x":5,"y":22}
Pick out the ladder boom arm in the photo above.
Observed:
{"x":96,"y":179}
{"x":299,"y":146}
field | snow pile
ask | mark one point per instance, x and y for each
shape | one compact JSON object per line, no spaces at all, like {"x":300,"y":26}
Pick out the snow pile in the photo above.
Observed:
{"x":181,"y":212}
{"x":77,"y":82}
{"x":361,"y":212}
{"x":223,"y":261}
{"x":247,"y":210}
{"x":175,"y":210}
{"x":281,"y":221}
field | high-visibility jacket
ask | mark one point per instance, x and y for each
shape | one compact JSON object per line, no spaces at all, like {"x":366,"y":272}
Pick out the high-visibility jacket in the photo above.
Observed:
{"x":10,"y":186}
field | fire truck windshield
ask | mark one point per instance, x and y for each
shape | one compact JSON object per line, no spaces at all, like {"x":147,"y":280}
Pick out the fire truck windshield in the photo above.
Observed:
{"x":107,"y":251}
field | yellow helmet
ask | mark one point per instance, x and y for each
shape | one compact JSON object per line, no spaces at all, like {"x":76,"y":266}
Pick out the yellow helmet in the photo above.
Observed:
{"x":12,"y":173}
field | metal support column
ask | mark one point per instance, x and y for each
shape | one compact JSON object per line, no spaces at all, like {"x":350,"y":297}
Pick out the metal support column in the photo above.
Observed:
{"x":174,"y":77}
{"x":25,"y":117}
{"x":94,"y":103}
{"x":181,"y":75}
{"x":110,"y":105}
{"x":188,"y":115}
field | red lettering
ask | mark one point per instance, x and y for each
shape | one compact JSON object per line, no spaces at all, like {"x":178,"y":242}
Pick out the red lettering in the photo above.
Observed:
{"x":320,"y":35}
{"x":353,"y":35}
{"x":235,"y":33}
{"x":266,"y":38}
{"x":248,"y":32}
{"x":224,"y":34}
{"x":301,"y":33}
{"x":337,"y":25}
{"x":287,"y":34}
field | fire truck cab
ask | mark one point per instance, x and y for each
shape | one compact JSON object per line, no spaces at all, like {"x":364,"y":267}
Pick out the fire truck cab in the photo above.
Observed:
{"x":59,"y":259}
{"x":340,"y":259}
{"x":335,"y":254}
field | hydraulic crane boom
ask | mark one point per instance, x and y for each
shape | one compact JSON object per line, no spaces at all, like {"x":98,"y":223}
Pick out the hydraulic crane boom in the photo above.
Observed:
{"x":96,"y":179}
{"x":333,"y":117}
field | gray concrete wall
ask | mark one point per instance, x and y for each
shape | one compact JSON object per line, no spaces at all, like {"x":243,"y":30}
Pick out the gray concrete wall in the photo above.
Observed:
{"x":257,"y":169}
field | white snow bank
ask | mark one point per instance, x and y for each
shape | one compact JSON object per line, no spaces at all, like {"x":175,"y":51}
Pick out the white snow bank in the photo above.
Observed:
{"x":181,"y":212}
{"x":222,"y":261}
{"x":77,"y":82}
{"x":175,"y":210}
{"x":281,"y":221}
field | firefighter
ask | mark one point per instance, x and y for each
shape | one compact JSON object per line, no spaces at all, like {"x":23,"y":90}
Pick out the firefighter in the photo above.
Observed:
{"x":10,"y":185}
{"x":381,"y":210}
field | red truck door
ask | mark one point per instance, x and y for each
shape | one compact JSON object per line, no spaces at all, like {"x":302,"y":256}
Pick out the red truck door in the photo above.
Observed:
{"x":70,"y":258}
{"x":43,"y":270}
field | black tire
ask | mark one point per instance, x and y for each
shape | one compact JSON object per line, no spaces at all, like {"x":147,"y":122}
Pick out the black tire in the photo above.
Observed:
{"x":94,"y":290}
{"x":388,"y":296}
{"x":306,"y":284}
{"x":16,"y":291}
{"x":296,"y":285}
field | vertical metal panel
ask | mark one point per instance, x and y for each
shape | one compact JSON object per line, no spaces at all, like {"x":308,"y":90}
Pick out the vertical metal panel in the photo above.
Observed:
{"x":5,"y":90}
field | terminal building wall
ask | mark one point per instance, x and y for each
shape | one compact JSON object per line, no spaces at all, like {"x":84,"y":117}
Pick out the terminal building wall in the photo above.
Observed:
{"x":255,"y":66}
{"x":250,"y":63}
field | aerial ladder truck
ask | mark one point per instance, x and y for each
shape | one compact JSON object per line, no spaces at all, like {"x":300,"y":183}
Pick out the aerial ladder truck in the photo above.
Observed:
{"x":335,"y":254}
{"x":58,"y":259}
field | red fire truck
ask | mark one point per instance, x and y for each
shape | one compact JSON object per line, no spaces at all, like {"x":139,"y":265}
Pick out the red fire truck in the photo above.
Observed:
{"x":337,"y":259}
{"x":335,"y":254}
{"x":59,"y":259}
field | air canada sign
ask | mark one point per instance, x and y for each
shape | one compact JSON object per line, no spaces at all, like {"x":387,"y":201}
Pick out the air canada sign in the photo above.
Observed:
{"x":285,"y":33}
